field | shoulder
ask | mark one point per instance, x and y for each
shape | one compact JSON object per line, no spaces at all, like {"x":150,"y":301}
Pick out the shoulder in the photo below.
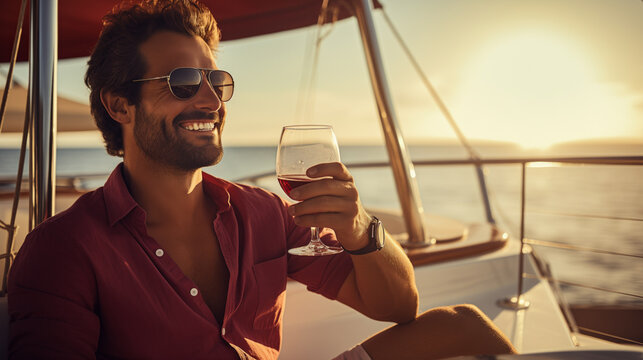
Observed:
{"x":66,"y":234}
{"x":243,"y":194}
{"x":252,"y":192}
{"x":87,"y":213}
{"x":55,"y":257}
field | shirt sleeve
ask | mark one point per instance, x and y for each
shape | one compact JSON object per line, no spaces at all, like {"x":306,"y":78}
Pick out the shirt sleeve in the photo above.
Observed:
{"x":324,"y":275}
{"x":51,"y":299}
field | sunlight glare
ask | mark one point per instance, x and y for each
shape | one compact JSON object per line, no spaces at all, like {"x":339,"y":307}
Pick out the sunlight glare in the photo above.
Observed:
{"x":543,"y":164}
{"x":536,"y":89}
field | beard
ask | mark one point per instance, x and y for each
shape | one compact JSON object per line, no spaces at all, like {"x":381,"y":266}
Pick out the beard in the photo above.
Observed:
{"x":167,"y":146}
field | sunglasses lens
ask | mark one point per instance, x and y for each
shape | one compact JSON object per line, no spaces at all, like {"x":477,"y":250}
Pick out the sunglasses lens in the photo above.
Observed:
{"x":185,"y":82}
{"x":222,"y":84}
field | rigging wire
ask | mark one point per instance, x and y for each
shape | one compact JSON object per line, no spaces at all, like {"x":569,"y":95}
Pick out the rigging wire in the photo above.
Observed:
{"x":12,"y":63}
{"x":474,"y":156}
{"x":305,"y":102}
{"x":631,"y":341}
{"x":434,"y":94}
{"x":480,"y":172}
{"x":585,"y":286}
{"x":306,"y":73}
{"x":11,"y":226}
{"x":588,"y":216}
{"x":559,"y":245}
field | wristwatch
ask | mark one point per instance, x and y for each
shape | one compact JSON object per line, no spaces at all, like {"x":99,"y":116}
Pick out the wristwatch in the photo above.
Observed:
{"x":376,"y":238}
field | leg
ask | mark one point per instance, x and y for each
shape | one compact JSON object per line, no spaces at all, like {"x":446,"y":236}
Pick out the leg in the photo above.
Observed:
{"x":438,"y":333}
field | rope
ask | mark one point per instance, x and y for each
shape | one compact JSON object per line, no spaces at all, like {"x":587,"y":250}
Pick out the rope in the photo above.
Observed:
{"x":11,"y":227}
{"x":14,"y":56}
{"x":8,"y":227}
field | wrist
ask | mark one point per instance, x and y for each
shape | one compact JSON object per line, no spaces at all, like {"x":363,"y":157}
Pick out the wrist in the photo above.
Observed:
{"x":359,"y":242}
{"x":371,"y":240}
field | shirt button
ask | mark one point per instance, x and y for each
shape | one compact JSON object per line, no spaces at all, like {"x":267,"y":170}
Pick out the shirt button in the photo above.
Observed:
{"x":222,"y":331}
{"x":194,"y":292}
{"x":159,"y":252}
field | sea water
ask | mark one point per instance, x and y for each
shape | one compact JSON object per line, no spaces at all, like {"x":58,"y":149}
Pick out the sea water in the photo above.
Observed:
{"x":595,"y":206}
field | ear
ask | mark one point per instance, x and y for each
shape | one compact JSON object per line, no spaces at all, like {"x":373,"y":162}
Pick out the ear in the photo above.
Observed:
{"x":117,"y":106}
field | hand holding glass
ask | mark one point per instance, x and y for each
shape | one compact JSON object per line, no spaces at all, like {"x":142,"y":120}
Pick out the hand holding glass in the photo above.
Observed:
{"x":301,"y":147}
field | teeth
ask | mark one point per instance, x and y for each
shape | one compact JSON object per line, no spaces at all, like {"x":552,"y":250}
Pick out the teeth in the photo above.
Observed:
{"x":198,"y":126}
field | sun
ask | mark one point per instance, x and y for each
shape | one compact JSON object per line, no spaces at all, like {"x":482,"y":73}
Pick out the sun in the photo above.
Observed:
{"x":535,"y":88}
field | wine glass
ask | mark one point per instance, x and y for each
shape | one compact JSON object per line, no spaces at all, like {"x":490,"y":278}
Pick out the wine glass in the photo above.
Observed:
{"x":300,"y":147}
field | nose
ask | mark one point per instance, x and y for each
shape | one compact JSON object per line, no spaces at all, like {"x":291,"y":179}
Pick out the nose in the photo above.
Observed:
{"x":207,"y":98}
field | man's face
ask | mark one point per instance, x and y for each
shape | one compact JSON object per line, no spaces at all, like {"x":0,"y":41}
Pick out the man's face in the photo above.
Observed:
{"x":161,"y":127}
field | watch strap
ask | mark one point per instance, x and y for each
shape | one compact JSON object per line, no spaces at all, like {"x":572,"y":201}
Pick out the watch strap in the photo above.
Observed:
{"x":373,"y":233}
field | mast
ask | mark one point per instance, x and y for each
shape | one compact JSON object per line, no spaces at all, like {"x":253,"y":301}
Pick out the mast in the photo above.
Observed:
{"x":43,"y":57}
{"x":403,"y":170}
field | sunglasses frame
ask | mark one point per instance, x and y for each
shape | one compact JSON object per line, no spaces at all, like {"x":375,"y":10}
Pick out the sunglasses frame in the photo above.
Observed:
{"x":201,"y":74}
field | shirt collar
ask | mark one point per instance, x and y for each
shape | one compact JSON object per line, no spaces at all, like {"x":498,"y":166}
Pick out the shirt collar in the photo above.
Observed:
{"x":119,"y":201}
{"x":217,"y":190}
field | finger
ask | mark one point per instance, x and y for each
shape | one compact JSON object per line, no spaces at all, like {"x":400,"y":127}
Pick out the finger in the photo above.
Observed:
{"x":325,"y":204}
{"x":336,"y":170}
{"x":325,"y":187}
{"x":335,"y":221}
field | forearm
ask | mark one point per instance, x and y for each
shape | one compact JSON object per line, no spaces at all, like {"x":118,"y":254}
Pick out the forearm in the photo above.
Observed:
{"x":384,"y":283}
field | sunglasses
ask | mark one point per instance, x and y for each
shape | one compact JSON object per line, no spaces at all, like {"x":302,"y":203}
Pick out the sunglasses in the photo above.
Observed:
{"x":184,"y":83}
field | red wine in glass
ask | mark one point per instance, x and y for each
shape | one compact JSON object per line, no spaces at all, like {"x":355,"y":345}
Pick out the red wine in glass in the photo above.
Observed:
{"x":300,"y":147}
{"x":289,"y":182}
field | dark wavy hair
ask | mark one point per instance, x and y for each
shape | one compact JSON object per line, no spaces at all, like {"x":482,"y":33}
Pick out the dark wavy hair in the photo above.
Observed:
{"x":116,"y":59}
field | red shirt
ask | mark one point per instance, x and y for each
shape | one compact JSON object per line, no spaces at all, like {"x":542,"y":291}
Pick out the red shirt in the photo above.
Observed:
{"x":90,"y":283}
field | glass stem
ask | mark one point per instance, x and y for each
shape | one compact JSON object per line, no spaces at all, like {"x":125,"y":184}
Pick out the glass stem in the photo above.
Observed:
{"x":315,"y":241}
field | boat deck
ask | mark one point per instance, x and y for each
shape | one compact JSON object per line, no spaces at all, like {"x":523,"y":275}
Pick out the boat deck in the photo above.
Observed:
{"x":476,"y":280}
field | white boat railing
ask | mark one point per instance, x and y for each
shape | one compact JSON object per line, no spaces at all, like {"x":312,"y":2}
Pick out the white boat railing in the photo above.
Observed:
{"x":518,"y":302}
{"x":76,"y":184}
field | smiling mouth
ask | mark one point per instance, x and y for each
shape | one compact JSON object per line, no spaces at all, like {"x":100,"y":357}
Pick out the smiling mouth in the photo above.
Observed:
{"x":198,"y":126}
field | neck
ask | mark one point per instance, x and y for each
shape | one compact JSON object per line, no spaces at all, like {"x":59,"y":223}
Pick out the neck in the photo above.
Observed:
{"x":164,"y":193}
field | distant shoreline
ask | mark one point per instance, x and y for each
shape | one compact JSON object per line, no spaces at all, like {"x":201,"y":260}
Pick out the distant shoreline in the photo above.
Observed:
{"x":92,"y":139}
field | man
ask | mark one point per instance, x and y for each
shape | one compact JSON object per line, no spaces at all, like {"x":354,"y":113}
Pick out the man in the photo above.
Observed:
{"x":165,"y":261}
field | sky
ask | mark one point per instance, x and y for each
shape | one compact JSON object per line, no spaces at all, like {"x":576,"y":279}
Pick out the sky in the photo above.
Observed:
{"x":533,"y":72}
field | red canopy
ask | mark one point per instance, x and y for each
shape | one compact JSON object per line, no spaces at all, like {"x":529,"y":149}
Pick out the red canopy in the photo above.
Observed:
{"x":79,"y":21}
